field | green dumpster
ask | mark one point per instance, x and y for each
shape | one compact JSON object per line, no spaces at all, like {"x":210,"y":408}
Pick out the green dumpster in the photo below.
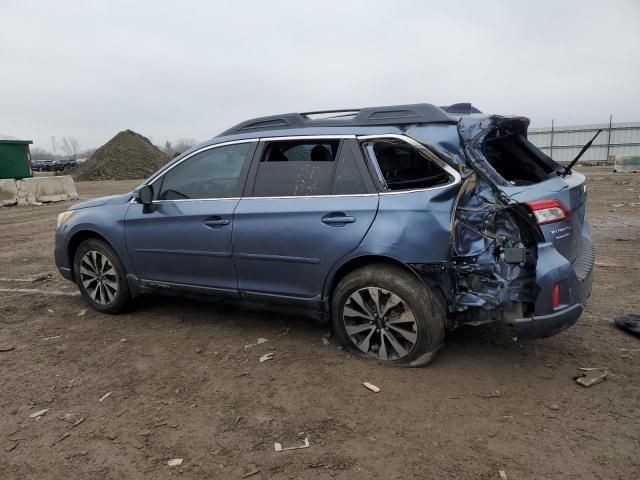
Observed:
{"x":15,"y":159}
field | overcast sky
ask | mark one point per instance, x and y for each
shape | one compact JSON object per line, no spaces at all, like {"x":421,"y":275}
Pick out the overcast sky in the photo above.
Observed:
{"x":171,"y":69}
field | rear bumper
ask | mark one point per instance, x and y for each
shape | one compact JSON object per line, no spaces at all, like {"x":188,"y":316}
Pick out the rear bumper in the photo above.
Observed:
{"x":574,"y":281}
{"x":547,"y":325}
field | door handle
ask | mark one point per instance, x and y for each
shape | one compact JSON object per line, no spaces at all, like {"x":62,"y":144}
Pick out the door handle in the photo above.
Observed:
{"x":216,"y":222}
{"x":337,"y":219}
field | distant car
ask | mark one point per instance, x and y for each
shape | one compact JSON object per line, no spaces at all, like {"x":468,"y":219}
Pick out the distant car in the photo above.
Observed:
{"x":63,"y":165}
{"x":394,"y":223}
{"x":41,"y":165}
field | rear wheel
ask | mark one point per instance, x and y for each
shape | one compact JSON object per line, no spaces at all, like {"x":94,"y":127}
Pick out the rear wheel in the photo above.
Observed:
{"x":386,"y":313}
{"x":101,"y":277}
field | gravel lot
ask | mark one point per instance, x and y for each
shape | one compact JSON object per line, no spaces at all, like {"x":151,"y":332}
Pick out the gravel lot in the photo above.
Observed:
{"x":183,"y":385}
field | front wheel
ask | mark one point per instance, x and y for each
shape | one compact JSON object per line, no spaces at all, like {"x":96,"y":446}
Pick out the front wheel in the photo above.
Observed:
{"x":100,"y":277}
{"x":388,"y":314}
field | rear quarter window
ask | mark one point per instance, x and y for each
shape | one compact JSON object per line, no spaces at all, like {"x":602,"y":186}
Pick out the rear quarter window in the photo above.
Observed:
{"x":403,"y":167}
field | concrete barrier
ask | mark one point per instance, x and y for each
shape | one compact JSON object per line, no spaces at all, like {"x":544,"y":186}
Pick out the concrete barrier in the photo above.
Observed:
{"x":37,"y":190}
{"x":8,"y":192}
{"x":627,"y":163}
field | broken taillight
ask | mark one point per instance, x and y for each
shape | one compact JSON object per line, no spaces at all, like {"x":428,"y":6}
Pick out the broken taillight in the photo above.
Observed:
{"x":549,"y":211}
{"x":555,"y":296}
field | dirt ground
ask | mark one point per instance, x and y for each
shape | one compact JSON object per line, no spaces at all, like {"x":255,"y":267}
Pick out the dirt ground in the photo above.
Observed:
{"x":183,"y":385}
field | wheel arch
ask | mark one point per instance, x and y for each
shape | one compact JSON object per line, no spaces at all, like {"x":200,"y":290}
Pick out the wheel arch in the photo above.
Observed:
{"x":341,"y":271}
{"x":76,"y":239}
{"x":429,"y":280}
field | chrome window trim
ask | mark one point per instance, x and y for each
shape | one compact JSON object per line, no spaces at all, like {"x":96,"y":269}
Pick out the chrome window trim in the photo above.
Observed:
{"x":424,"y":151}
{"x":417,"y":145}
{"x":314,"y":196}
{"x":196,"y":199}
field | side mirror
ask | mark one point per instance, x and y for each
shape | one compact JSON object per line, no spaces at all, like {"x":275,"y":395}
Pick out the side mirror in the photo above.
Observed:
{"x":144,"y":195}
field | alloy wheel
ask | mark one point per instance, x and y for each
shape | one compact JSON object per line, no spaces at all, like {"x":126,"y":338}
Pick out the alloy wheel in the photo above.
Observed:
{"x":380,"y":323}
{"x":99,"y":277}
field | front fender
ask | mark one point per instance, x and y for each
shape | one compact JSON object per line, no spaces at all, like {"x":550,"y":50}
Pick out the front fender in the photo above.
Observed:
{"x":106,"y":221}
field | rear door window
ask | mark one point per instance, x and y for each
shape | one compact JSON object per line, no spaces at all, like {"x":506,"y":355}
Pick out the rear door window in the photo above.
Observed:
{"x":296,"y":168}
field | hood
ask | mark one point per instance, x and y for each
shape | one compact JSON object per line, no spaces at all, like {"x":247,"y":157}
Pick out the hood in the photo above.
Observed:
{"x":97,"y":202}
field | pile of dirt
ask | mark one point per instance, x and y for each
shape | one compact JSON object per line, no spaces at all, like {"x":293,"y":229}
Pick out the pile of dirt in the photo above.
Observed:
{"x":126,"y":156}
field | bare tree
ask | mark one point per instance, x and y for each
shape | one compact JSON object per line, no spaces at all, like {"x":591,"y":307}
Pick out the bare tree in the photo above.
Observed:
{"x":183,"y":144}
{"x":70,"y":146}
{"x":41,"y":154}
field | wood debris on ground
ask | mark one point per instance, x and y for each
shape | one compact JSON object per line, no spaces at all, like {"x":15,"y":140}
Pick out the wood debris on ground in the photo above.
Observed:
{"x":372,"y":387}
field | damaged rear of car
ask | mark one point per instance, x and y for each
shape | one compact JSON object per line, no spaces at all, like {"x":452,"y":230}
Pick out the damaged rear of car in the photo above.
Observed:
{"x":521,"y":247}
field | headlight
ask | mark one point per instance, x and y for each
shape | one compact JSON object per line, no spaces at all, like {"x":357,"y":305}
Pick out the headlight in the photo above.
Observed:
{"x":63,"y":217}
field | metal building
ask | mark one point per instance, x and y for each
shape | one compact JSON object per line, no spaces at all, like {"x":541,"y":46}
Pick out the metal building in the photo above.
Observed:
{"x":564,"y":143}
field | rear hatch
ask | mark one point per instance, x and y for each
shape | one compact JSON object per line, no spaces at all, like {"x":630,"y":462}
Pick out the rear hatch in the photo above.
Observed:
{"x":529,"y":176}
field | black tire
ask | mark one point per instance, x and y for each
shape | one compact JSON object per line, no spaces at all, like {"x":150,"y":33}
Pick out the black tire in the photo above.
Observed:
{"x":106,"y":299}
{"x":426,"y":306}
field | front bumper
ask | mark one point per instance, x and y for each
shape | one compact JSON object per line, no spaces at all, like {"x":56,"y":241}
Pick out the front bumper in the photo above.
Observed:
{"x":60,"y":255}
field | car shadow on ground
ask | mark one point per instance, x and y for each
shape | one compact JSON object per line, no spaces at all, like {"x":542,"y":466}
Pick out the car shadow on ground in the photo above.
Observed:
{"x":486,"y":343}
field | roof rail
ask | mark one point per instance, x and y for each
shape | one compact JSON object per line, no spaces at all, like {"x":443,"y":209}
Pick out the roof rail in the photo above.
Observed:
{"x":347,"y":117}
{"x":461,"y":109}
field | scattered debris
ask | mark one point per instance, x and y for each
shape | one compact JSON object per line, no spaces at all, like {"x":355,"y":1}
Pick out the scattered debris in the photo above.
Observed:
{"x":38,"y":277}
{"x":237,"y":420}
{"x":6,"y":349}
{"x":325,"y":341}
{"x":258,"y":342}
{"x":267,"y":356}
{"x":279,"y":448}
{"x":76,"y":423}
{"x":122,"y":412}
{"x":600,"y":263}
{"x":371,"y":387}
{"x":494,"y":394}
{"x":37,"y":291}
{"x":591,"y":376}
{"x":199,"y":350}
{"x":105,"y":396}
{"x":82,"y":312}
{"x":39,"y":413}
{"x":629,"y":323}
{"x":65,"y":435}
{"x":49,"y":310}
{"x":503,"y":474}
{"x":285,"y":332}
{"x":52,"y":338}
{"x":11,"y":447}
{"x":175,"y":462}
{"x":250,"y":470}
{"x":554,"y":406}
{"x":123,"y":340}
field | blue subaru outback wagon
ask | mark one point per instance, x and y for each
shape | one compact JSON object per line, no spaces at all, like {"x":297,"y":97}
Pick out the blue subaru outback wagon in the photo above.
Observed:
{"x":395,"y":224}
